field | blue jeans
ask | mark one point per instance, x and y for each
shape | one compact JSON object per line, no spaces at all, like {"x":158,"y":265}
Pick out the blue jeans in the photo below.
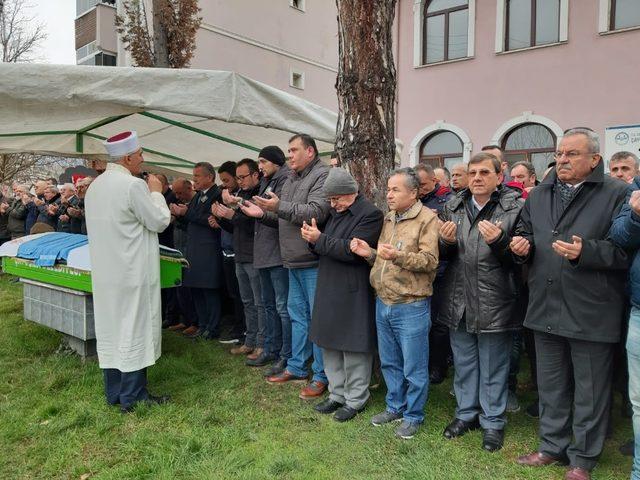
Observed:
{"x":403,"y":344}
{"x":302,"y":290}
{"x":633,"y":356}
{"x":275,"y":291}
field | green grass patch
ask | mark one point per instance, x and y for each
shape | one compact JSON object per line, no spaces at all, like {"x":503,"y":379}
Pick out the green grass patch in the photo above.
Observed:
{"x":225,"y":422}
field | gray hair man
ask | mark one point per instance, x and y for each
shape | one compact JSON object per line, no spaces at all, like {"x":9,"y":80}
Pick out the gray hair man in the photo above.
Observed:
{"x":404,"y":267}
{"x":577,"y":299}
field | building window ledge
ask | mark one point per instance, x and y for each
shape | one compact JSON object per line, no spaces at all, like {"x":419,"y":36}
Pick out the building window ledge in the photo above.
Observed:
{"x":536,"y":47}
{"x":445,"y":62}
{"x":620,"y":30}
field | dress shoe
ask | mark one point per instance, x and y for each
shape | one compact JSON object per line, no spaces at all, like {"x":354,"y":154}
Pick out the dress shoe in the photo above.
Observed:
{"x":277,"y":368}
{"x":327,"y":406}
{"x":313,"y":390}
{"x":191,"y":331}
{"x":458,"y":427}
{"x":533,"y":410}
{"x":492,"y":439}
{"x":263,"y":359}
{"x":255,"y":354}
{"x":152,"y":400}
{"x":537,"y":459}
{"x":346,"y":413}
{"x":576,"y":473}
{"x":627,"y":449}
{"x":241,"y":350}
{"x":284,"y":377}
{"x":437,"y":375}
{"x":178,"y":327}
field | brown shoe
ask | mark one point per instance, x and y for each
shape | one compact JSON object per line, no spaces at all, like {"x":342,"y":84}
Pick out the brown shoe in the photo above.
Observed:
{"x":256,"y":353}
{"x":241,"y":350}
{"x":179,"y":326}
{"x":284,"y":377}
{"x":576,"y":473}
{"x":190,"y":331}
{"x":537,"y":459}
{"x":314,"y":390}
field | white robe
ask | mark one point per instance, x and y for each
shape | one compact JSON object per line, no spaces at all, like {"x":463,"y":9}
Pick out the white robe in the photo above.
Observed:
{"x":123,"y":219}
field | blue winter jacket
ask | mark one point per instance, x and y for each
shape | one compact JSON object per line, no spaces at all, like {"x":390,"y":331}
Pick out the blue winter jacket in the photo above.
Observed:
{"x":625,"y":232}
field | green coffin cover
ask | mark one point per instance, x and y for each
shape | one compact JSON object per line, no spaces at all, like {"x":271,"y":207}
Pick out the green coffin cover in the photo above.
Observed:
{"x":63,"y":276}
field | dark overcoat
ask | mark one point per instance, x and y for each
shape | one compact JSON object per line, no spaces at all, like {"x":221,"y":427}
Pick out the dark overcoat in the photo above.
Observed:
{"x":203,"y":243}
{"x":344,"y":307}
{"x":582,"y":299}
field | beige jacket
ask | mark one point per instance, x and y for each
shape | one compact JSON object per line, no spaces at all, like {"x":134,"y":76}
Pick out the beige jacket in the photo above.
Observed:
{"x":410,"y":276}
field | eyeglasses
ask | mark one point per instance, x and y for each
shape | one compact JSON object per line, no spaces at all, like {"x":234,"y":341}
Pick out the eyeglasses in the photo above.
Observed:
{"x":571,"y":154}
{"x":242,"y":177}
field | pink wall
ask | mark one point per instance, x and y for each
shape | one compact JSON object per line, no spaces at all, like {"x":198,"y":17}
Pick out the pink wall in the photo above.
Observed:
{"x":589,"y":81}
{"x":273,"y":24}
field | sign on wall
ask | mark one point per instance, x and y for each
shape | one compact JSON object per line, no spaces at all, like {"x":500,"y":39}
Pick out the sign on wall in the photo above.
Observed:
{"x":619,"y":139}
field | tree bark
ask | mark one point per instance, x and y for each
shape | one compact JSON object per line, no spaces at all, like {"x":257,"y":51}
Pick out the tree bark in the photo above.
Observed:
{"x":160,"y":48}
{"x":366,"y":87}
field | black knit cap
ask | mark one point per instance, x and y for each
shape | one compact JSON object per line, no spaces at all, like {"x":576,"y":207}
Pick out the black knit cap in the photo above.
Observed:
{"x":273,"y":154}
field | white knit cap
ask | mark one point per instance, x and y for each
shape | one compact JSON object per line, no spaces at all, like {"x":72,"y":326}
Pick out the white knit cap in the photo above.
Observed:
{"x":122,"y":144}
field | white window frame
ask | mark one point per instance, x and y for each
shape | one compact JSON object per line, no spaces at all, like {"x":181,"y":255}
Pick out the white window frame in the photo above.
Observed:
{"x":501,"y":27}
{"x":292,"y":73}
{"x":418,"y":44}
{"x":604,"y":14}
{"x":416,"y":143}
{"x":302,"y":7}
{"x":526,"y":117}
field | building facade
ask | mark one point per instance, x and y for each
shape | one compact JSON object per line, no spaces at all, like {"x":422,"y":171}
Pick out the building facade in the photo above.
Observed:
{"x":96,"y":39}
{"x":515,"y":73}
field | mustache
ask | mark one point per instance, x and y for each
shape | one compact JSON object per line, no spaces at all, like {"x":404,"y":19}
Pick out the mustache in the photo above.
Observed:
{"x":564,"y":167}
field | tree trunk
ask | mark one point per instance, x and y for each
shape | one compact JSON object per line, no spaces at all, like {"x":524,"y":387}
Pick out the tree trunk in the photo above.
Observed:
{"x":366,"y":86}
{"x":160,"y":48}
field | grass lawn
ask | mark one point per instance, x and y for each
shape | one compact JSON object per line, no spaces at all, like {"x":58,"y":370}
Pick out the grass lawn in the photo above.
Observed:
{"x":225,"y":421}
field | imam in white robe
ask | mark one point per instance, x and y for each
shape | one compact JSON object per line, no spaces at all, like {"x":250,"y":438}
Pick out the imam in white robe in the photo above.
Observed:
{"x":123,"y":219}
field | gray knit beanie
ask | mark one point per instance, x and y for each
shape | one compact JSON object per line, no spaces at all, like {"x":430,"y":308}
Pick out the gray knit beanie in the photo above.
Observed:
{"x":339,"y":182}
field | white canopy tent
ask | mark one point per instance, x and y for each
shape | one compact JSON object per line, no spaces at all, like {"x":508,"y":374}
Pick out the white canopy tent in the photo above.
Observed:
{"x":181,"y":116}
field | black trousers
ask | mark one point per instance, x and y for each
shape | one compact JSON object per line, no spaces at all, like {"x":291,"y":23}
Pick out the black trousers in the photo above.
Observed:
{"x":208,"y":308}
{"x":187,"y":308}
{"x":125,"y":388}
{"x":574,"y":385}
{"x":170,"y":305}
{"x":439,"y":341}
{"x":238,"y":323}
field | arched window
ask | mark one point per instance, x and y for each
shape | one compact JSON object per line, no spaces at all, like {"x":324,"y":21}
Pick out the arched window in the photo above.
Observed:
{"x":441,"y":149}
{"x":445,"y":30}
{"x":531,"y":23}
{"x":624,"y":14}
{"x":530,"y":142}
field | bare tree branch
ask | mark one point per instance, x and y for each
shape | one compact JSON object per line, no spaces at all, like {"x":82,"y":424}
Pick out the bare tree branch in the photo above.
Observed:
{"x":20,"y":34}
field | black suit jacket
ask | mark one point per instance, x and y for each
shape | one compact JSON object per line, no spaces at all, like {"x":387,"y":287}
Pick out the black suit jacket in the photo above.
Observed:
{"x":203,"y":243}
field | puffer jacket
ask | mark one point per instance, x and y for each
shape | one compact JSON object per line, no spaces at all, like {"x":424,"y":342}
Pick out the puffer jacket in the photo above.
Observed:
{"x":481,"y":280}
{"x":410,"y":276}
{"x":302,"y":199}
{"x":625,"y":232}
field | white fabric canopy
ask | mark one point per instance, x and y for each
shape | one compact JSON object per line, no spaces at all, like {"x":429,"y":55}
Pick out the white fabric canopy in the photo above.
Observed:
{"x":181,"y":116}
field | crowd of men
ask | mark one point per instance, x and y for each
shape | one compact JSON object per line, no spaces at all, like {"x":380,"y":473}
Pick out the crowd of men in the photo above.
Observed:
{"x":44,"y":206}
{"x":470,"y":267}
